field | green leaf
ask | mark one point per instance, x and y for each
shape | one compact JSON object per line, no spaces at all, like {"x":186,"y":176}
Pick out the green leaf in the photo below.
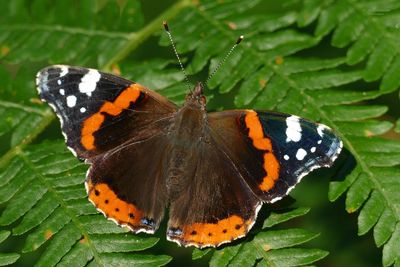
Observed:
{"x":368,"y":30}
{"x":357,"y":194}
{"x":336,"y":189}
{"x":276,"y":218}
{"x":397,"y":128}
{"x":4,"y":235}
{"x":370,"y":213}
{"x":134,"y":260}
{"x":222,"y":257}
{"x":325,"y":79}
{"x":199,"y":253}
{"x":60,"y":245}
{"x":295,"y":256}
{"x":384,"y":228}
{"x":79,"y":255}
{"x":267,"y":244}
{"x":341,"y":113}
{"x":309,"y":12}
{"x":391,"y":250}
{"x":121,"y":243}
{"x":37,"y":215}
{"x":80,"y":39}
{"x":365,"y":128}
{"x":283,"y":238}
{"x":7,"y":258}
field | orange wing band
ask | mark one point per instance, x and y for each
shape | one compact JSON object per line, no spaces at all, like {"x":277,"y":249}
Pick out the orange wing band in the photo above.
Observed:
{"x":104,"y":198}
{"x":271,"y":164}
{"x":94,"y":122}
{"x":206,"y":234}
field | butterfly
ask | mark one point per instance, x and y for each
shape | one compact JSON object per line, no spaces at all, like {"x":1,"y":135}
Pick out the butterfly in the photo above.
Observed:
{"x":211,"y":170}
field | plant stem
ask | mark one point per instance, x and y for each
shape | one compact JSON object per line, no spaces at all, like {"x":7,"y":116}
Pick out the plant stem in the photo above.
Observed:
{"x":46,"y":120}
{"x":139,"y":37}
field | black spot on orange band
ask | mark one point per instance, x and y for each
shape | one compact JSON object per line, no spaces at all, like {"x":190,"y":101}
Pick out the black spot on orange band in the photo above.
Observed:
{"x":113,"y":207}
{"x":260,"y":142}
{"x":94,"y":122}
{"x":206,"y":234}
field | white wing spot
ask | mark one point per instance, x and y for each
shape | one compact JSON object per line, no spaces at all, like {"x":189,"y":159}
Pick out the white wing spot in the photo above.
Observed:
{"x":62,"y":92}
{"x":301,"y":153}
{"x":286,"y":157}
{"x":313,"y":149}
{"x":293,"y":130}
{"x":71,"y":101}
{"x":59,"y":82}
{"x":89,"y":81}
{"x":321,"y":129}
{"x":64,"y":71}
{"x":83,"y":110}
{"x":319,"y":142}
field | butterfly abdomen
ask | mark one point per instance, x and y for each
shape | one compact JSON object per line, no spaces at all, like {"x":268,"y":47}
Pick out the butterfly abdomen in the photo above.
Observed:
{"x":186,"y":134}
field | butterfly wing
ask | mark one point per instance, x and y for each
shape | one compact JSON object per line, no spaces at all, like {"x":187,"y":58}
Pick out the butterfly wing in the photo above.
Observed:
{"x":99,"y":111}
{"x":113,"y":123}
{"x":272,"y":150}
{"x":246,"y":158}
{"x":216,"y":206}
{"x":127,"y":184}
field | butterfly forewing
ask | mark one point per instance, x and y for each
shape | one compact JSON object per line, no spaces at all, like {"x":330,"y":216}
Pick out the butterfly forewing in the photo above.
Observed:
{"x":272,"y":150}
{"x":99,"y":111}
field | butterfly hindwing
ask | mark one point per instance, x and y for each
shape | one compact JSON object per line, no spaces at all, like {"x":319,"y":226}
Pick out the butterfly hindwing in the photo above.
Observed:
{"x":99,"y":111}
{"x":272,"y":150}
{"x":216,"y":206}
{"x":128,"y":185}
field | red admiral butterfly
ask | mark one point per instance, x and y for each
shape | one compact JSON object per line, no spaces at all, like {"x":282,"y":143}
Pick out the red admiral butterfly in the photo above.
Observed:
{"x":213,"y":170}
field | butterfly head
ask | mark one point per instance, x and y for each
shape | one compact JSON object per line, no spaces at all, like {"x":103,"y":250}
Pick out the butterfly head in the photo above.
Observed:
{"x":196,"y":97}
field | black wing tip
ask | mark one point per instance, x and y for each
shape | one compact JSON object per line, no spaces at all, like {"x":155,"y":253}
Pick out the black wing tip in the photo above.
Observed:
{"x":42,"y":76}
{"x":336,"y":147}
{"x":52,"y":68}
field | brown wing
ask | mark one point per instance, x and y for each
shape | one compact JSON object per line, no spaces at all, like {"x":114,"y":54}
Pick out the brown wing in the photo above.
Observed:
{"x":250,"y":157}
{"x":99,"y":111}
{"x":216,"y":206}
{"x":128,"y":184}
{"x":119,"y":127}
{"x":272,"y":150}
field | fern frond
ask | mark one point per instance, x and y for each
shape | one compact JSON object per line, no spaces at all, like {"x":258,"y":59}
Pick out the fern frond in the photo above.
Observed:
{"x":71,"y":29}
{"x":55,"y":210}
{"x":368,"y":28}
{"x":317,"y":88}
{"x":270,"y":247}
{"x":74,"y":34}
{"x":22,"y":124}
{"x":397,"y":129}
{"x":7,"y":258}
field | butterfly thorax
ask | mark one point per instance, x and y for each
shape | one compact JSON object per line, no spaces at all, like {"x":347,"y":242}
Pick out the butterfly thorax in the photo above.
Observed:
{"x":186,"y":135}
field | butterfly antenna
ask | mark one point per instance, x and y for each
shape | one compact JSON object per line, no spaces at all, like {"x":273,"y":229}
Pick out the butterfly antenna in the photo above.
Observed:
{"x":176,"y":54}
{"x":225,"y":58}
